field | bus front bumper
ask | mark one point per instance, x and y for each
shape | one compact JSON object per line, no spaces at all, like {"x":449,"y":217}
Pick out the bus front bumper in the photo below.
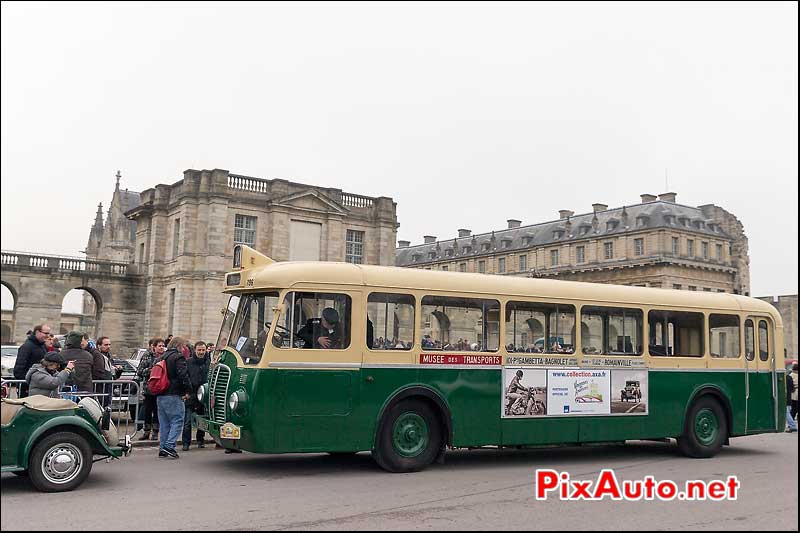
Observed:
{"x":226,"y":435}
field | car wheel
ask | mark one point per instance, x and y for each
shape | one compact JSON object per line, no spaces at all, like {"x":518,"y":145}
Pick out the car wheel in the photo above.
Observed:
{"x":60,"y":462}
{"x":410,"y":437}
{"x":705,"y":429}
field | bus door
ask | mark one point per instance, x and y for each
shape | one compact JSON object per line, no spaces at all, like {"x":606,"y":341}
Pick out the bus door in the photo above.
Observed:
{"x":760,"y":385}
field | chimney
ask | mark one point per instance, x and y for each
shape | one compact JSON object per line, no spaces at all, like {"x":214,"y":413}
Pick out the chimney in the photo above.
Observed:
{"x":513,"y":223}
{"x":667,"y":197}
{"x":430,"y":239}
{"x":648,"y":198}
{"x":403,"y":244}
{"x":565,"y":213}
{"x":599,"y":208}
{"x":464,"y":232}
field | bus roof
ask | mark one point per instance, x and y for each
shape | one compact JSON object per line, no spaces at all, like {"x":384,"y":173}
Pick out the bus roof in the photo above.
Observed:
{"x":289,"y":274}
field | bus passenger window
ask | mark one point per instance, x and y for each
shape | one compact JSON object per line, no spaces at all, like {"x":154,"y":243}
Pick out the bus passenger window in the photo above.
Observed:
{"x":540,"y":328}
{"x":460,"y":324}
{"x":749,"y":340}
{"x":390,"y":317}
{"x":611,"y":331}
{"x":723,"y":333}
{"x":315,"y":321}
{"x":681,"y":333}
{"x":763,"y":340}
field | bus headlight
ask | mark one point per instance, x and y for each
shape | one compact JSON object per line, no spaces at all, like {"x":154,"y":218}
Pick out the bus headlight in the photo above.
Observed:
{"x":237,"y":400}
{"x":201,"y":393}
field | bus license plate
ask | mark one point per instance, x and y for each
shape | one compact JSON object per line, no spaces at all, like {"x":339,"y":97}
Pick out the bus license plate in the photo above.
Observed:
{"x":230,"y":431}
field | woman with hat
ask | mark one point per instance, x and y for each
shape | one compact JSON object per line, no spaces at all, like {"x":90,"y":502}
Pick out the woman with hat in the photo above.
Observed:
{"x":44,"y":378}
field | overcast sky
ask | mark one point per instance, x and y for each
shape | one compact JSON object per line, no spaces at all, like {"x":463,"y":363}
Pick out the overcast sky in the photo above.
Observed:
{"x":466,"y":115}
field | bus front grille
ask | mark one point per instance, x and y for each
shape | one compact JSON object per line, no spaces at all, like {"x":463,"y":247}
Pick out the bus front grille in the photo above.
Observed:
{"x":219,"y":391}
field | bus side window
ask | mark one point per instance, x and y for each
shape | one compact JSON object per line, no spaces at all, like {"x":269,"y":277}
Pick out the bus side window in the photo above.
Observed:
{"x":315,"y":321}
{"x":681,"y":333}
{"x":763,"y":340}
{"x":533,"y":327}
{"x":749,"y":340}
{"x":390,"y":321}
{"x":723,"y":334}
{"x":460,"y":324}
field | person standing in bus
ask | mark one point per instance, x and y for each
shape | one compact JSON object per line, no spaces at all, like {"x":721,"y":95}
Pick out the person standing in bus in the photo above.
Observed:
{"x":324,"y":332}
{"x":791,"y":399}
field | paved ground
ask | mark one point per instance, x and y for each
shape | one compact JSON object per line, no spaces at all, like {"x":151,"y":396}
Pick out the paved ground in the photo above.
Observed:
{"x":481,"y":489}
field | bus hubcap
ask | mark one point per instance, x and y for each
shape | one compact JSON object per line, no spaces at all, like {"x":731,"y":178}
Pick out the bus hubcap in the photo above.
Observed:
{"x":410,"y":435}
{"x":62,"y":463}
{"x":706,"y":427}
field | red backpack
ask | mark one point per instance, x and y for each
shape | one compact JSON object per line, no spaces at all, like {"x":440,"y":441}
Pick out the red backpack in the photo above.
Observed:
{"x":159,"y":380}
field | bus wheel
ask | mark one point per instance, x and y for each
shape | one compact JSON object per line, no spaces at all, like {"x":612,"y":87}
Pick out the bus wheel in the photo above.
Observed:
{"x":705,"y":429}
{"x":410,"y":437}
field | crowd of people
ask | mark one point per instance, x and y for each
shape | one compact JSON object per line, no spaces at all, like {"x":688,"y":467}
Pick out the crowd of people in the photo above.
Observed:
{"x":87,"y":367}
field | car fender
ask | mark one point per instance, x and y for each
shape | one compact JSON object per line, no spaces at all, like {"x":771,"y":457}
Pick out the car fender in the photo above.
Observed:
{"x":68,"y":423}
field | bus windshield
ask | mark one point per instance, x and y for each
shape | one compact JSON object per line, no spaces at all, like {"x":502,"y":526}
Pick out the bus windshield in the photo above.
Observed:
{"x":229,"y":313}
{"x":252,"y":324}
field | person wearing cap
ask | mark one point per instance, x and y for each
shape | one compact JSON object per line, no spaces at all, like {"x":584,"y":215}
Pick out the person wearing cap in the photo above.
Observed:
{"x":322,"y":333}
{"x":87,"y":364}
{"x":45,"y":378}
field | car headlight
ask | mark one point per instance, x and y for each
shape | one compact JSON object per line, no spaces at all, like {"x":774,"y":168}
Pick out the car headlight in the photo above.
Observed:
{"x":201,"y":393}
{"x":237,"y":400}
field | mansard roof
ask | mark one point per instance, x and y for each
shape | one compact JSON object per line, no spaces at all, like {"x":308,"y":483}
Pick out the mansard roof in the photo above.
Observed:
{"x":658,"y":214}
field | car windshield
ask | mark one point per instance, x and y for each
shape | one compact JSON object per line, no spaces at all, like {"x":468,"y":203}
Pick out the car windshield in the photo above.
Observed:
{"x":252,"y":324}
{"x":229,"y":313}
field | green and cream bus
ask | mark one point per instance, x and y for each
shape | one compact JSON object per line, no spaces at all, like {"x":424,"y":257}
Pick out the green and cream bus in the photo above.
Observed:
{"x":409,"y":363}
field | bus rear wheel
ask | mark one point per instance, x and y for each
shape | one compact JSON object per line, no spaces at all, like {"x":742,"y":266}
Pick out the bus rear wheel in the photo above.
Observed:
{"x":705,"y":429}
{"x":410,"y":437}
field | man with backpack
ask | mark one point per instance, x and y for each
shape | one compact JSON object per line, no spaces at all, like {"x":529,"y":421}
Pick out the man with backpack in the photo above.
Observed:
{"x":169,"y":381}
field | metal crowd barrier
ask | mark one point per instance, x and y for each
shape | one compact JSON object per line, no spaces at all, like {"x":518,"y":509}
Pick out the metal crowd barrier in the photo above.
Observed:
{"x":122,"y":396}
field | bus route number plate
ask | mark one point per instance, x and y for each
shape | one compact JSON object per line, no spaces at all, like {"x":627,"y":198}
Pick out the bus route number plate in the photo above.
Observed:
{"x":230,"y":431}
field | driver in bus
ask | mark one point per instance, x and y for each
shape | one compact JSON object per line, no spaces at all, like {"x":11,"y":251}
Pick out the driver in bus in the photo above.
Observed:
{"x":324,"y":332}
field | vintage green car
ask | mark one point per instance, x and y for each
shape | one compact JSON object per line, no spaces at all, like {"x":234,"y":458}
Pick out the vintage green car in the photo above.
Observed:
{"x":54,"y":441}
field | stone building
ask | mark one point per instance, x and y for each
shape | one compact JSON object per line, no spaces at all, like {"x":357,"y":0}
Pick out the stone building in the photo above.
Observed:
{"x":179,"y":238}
{"x":654,"y":243}
{"x":787,"y":307}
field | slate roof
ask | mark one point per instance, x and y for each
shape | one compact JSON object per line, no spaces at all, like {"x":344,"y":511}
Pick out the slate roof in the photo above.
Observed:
{"x":651,"y":215}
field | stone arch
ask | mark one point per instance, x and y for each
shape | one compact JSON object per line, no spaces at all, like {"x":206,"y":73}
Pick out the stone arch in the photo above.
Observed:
{"x":8,"y":316}
{"x":88,"y":322}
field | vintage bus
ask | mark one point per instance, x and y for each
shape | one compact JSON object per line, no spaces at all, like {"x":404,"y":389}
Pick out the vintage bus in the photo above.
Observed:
{"x":406,"y":363}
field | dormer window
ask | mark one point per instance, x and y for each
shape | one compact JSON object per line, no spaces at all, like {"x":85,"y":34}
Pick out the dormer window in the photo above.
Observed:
{"x":485,"y":246}
{"x":431,"y":255}
{"x":416,"y":257}
{"x":507,"y":243}
{"x":699,"y":224}
{"x":557,"y":234}
{"x":467,"y":249}
{"x":611,"y":225}
{"x":684,"y":222}
{"x":527,"y":240}
{"x":448,"y":252}
{"x":584,"y":229}
{"x":642,"y":221}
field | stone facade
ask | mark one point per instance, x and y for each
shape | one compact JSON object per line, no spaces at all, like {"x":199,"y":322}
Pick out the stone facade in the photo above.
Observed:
{"x":655,"y":243}
{"x":185,"y":233}
{"x":787,"y":306}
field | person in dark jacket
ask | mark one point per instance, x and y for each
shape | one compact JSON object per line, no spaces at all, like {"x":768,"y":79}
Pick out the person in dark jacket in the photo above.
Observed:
{"x":791,"y":399}
{"x":86,"y":363}
{"x":170,"y":402}
{"x":44,"y":378}
{"x":197,"y":366}
{"x":30,"y":353}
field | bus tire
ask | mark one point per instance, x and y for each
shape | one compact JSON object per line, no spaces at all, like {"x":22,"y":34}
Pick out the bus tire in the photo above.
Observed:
{"x":705,"y":429}
{"x":410,"y":437}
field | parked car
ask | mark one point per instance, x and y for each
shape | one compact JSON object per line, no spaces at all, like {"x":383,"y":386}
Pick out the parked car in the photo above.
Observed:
{"x":136,"y":357}
{"x":57,"y":460}
{"x":124,"y":396}
{"x":9,"y":358}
